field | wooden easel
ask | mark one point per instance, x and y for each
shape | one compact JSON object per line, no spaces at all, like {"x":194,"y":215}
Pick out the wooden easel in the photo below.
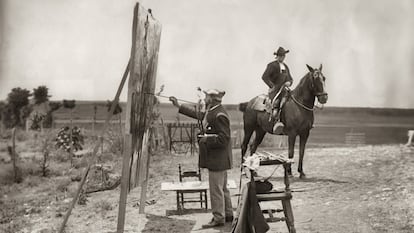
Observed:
{"x":142,"y":67}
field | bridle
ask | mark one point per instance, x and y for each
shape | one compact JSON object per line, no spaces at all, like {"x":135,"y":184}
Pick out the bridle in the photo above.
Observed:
{"x":314,"y":75}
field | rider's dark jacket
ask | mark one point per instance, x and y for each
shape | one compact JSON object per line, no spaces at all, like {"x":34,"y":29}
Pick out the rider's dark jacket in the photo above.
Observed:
{"x":215,"y":152}
{"x":274,"y":77}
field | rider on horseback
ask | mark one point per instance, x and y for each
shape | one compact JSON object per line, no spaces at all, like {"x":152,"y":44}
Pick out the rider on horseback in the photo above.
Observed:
{"x":278,"y":78}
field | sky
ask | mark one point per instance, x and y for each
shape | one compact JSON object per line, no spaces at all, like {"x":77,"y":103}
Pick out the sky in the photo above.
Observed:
{"x":79,"y":48}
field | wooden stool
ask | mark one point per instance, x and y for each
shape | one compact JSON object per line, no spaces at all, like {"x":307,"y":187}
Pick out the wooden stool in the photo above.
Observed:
{"x":284,"y":196}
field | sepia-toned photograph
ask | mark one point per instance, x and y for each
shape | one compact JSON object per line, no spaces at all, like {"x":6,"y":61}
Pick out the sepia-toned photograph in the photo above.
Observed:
{"x":206,"y":116}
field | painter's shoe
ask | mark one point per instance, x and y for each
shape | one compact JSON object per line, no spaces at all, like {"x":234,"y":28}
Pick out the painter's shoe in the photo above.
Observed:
{"x":278,"y":128}
{"x":213,"y":223}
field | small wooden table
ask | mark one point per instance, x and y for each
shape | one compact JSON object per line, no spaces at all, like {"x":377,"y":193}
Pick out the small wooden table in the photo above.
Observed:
{"x":191,"y":186}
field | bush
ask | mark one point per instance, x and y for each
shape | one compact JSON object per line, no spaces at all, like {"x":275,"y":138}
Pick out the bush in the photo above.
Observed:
{"x":7,"y":175}
{"x":62,"y":184}
{"x":21,"y":136}
{"x":29,"y":168}
{"x":102,"y":206}
{"x":115,"y":140}
{"x":80,"y":163}
{"x":62,"y":156}
{"x":33,"y":181}
{"x":24,"y":170}
{"x":63,"y":139}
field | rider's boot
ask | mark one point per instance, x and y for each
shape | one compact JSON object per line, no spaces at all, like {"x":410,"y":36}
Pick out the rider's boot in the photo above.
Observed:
{"x":268,"y":106}
{"x":274,"y":105}
{"x":278,"y":126}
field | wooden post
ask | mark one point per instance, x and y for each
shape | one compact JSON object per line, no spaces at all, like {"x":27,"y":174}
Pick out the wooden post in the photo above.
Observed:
{"x":164,"y":135}
{"x":95,"y":108}
{"x":41,"y":125}
{"x":14,"y":155}
{"x":146,"y":158}
{"x":146,"y":32}
{"x":126,"y":163}
{"x":70,"y":138}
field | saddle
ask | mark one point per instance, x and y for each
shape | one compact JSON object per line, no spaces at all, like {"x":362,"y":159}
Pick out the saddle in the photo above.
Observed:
{"x":259,"y":104}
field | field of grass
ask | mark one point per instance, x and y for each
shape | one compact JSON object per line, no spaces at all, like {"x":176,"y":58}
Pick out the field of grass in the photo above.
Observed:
{"x":348,"y":189}
{"x":380,"y":125}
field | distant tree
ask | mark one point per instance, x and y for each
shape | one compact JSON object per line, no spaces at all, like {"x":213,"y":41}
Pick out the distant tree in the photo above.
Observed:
{"x":12,"y":113}
{"x":25,"y":112}
{"x":55,"y":106}
{"x":2,"y":108}
{"x":7,"y":116}
{"x":40,"y":94}
{"x":69,"y":104}
{"x":48,"y":121}
{"x":18,"y":97}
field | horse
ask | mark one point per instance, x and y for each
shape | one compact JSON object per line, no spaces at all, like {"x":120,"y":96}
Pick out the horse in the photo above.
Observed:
{"x":296,"y":115}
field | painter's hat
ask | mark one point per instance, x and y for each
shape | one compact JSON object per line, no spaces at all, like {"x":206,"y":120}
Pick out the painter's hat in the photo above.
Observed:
{"x":215,"y":94}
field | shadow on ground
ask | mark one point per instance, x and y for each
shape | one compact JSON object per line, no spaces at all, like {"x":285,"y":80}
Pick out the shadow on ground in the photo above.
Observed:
{"x":186,"y":211}
{"x":224,"y":229}
{"x":165,"y":224}
{"x":316,"y":180}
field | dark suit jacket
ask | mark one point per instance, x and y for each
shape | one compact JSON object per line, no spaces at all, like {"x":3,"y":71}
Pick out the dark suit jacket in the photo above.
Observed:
{"x":274,"y":78}
{"x":215,"y":152}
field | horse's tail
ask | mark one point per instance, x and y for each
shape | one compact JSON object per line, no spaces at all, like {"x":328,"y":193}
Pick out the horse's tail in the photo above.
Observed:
{"x":243,"y":106}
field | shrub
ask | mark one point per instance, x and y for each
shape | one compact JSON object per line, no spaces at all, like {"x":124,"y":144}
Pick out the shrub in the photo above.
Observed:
{"x":62,"y":184}
{"x":7,"y":175}
{"x":115,"y":140}
{"x":33,"y":181}
{"x":63,"y":139}
{"x":102,"y":206}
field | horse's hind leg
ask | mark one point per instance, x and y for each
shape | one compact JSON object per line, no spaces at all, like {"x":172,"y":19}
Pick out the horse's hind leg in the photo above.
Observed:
{"x":291,"y":142}
{"x":248,"y":131}
{"x":303,"y":139}
{"x":258,"y":138}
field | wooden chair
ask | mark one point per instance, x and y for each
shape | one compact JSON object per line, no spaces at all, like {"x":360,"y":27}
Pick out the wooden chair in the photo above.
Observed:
{"x":202,"y":198}
{"x":284,"y":196}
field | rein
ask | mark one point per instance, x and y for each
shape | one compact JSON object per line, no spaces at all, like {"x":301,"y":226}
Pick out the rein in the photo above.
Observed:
{"x":302,"y":105}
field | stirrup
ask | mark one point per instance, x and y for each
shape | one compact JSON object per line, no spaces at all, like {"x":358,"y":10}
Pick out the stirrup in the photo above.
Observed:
{"x":278,"y":128}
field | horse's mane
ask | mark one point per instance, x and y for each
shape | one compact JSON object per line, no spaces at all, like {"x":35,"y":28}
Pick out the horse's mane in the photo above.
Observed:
{"x":302,"y":83}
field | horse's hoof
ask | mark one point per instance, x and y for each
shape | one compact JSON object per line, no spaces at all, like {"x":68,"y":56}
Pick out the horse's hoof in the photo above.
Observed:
{"x":302,"y":176}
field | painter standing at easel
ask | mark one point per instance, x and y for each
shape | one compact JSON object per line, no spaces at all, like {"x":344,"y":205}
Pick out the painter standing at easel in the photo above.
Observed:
{"x":215,"y":152}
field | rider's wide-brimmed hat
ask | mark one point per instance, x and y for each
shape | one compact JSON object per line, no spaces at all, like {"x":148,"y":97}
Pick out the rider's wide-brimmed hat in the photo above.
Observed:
{"x":215,"y":94}
{"x":281,"y":51}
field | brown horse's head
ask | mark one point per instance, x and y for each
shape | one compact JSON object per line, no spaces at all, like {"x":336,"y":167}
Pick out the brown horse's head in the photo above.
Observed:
{"x":318,"y":84}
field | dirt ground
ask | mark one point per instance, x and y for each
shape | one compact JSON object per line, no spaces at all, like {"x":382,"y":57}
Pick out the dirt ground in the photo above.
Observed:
{"x":347,"y":189}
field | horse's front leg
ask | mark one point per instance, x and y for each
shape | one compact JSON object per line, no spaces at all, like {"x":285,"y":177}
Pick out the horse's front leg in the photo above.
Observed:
{"x":302,"y":144}
{"x":291,"y":142}
{"x":258,"y":138}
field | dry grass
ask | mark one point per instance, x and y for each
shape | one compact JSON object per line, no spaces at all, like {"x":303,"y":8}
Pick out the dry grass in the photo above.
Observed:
{"x":103,"y":206}
{"x":370,"y":185}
